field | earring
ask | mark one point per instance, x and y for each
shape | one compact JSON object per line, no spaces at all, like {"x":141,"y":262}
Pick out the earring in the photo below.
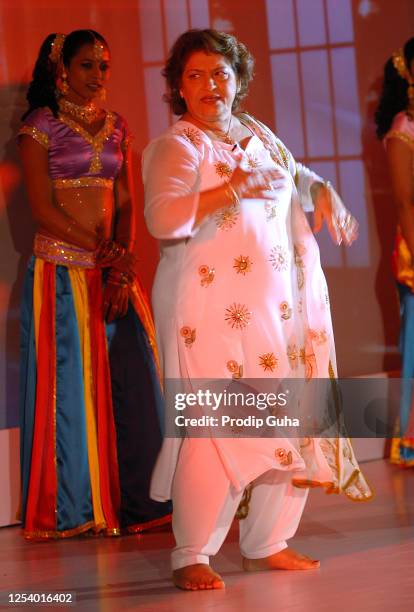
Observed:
{"x":62,"y":84}
{"x":181,"y":93}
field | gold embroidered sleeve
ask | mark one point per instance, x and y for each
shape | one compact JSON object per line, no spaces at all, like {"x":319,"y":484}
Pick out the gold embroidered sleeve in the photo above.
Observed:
{"x":401,"y":136}
{"x":34,"y":132}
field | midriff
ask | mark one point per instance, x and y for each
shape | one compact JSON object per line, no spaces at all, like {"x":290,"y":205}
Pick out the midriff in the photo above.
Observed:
{"x":92,"y":208}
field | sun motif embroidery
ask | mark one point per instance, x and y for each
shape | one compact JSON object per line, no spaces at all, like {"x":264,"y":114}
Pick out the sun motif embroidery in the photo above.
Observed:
{"x":235,"y":369}
{"x":207,"y":275}
{"x":285,"y":310}
{"x":238,"y":316}
{"x":189,"y":336}
{"x":226,"y":218}
{"x":271,"y":211}
{"x":253,"y":162}
{"x":268,"y":362}
{"x":279,"y":258}
{"x":243,"y":264}
{"x":223,"y":169}
{"x":191,"y":134}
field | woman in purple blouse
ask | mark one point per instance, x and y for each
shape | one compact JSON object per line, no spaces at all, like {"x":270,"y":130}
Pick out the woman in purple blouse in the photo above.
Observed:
{"x":90,"y":396}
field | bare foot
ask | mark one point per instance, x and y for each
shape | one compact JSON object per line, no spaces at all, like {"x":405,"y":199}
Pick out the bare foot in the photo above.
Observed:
{"x":286,"y":559}
{"x":197,"y":577}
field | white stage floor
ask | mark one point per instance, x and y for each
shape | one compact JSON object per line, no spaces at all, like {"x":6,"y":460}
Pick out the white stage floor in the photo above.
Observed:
{"x":366,"y":552}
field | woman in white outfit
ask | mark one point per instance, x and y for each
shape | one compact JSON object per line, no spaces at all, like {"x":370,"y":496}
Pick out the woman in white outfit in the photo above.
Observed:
{"x":239,"y":292}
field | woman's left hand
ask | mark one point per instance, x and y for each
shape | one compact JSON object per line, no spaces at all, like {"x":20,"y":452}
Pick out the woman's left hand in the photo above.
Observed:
{"x":330,"y":209}
{"x":115,"y":302}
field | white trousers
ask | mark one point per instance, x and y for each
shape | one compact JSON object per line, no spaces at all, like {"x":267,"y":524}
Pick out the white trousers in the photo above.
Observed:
{"x":205,"y":502}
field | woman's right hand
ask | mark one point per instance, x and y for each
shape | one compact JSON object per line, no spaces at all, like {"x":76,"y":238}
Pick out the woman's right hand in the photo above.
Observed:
{"x":255,"y":183}
{"x":115,"y":255}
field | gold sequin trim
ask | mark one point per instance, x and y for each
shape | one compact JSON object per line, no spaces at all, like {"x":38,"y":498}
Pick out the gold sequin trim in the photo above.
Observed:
{"x":401,"y":136}
{"x":207,"y":275}
{"x":243,"y":264}
{"x":279,"y":258}
{"x":286,"y":311}
{"x":34,"y":132}
{"x":223,"y":169}
{"x":235,"y":369}
{"x":189,"y":336}
{"x":97,"y":142}
{"x":91,"y":527}
{"x":238,"y":316}
{"x":226,"y":218}
{"x":62,"y":253}
{"x":268,"y":362}
{"x":83,"y":181}
{"x":284,"y":456}
{"x":277,"y":151}
{"x":284,"y":154}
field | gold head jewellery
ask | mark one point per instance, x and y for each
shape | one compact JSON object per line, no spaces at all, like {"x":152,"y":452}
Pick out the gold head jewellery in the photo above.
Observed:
{"x":400,"y":66}
{"x":98,"y":50}
{"x":56,"y":48}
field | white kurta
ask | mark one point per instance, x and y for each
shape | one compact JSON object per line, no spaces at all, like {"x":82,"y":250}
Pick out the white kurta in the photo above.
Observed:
{"x":241,"y":294}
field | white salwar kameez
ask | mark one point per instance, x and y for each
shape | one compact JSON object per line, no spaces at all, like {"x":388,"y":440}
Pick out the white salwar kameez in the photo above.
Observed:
{"x":241,"y":293}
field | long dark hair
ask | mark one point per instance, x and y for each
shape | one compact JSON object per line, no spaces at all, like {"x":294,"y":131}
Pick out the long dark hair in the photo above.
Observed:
{"x":42,"y":89}
{"x":394,"y":98}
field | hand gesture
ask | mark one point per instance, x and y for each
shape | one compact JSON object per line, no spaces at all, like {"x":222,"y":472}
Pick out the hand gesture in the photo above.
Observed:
{"x":115,"y":301}
{"x":255,"y":183}
{"x":330,"y":209}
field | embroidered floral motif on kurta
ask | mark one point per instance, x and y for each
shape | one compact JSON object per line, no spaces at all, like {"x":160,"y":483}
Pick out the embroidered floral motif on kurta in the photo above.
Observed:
{"x":243,"y":264}
{"x":238,"y":316}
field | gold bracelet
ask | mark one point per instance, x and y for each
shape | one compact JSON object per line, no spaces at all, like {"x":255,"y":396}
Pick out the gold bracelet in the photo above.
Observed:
{"x":232,"y":193}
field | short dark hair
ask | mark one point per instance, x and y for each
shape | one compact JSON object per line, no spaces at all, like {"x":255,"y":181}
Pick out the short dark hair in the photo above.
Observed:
{"x":209,"y":41}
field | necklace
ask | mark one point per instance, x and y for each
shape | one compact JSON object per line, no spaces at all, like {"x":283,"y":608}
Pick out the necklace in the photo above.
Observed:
{"x":88,"y":113}
{"x":224,"y":137}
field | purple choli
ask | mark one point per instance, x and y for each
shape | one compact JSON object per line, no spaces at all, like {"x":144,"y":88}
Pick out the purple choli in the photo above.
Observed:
{"x":73,"y":153}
